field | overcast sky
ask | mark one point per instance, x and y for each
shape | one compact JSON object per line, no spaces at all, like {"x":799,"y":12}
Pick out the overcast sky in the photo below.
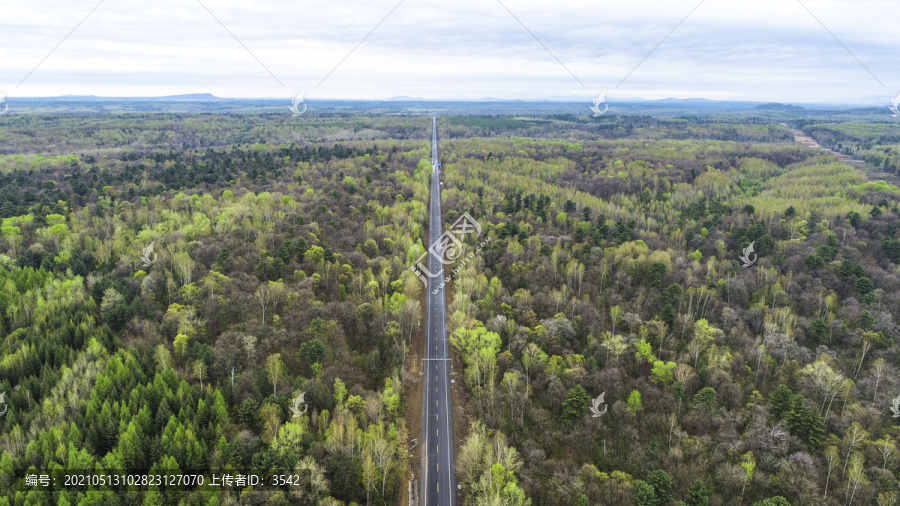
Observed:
{"x":767,"y":50}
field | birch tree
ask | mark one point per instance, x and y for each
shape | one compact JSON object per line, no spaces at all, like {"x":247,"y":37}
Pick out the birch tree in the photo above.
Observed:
{"x":274,"y":366}
{"x":867,"y":340}
{"x":852,"y":439}
{"x":831,"y":459}
{"x":878,"y":370}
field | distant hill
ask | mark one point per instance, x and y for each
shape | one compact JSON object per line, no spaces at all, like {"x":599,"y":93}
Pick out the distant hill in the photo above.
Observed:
{"x":191,"y":96}
{"x":779,"y":107}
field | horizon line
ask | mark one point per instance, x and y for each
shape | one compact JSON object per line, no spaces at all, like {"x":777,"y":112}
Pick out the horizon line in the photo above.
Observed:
{"x":204,"y":96}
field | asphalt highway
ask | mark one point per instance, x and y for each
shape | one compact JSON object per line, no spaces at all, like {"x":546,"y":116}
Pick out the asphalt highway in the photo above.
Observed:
{"x":438,"y":477}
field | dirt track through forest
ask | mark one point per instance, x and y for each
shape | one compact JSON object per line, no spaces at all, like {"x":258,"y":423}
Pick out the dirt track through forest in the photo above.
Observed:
{"x":870,"y":171}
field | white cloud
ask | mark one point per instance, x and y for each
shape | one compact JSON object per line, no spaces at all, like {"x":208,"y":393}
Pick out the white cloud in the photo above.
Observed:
{"x":763,"y":50}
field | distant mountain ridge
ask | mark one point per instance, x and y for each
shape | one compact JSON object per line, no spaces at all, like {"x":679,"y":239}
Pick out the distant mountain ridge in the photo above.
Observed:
{"x":778,"y":107}
{"x":190,"y":97}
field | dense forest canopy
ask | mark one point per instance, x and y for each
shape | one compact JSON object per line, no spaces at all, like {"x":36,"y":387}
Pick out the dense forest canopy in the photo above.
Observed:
{"x":171,"y":284}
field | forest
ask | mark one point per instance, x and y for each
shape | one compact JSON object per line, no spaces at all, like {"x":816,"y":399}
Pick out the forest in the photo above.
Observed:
{"x":724,"y":297}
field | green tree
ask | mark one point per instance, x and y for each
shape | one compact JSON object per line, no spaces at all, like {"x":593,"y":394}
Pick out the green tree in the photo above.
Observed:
{"x":697,"y":495}
{"x":813,"y":262}
{"x":848,"y":269}
{"x":479,"y":349}
{"x":370,"y":248}
{"x":668,"y":315}
{"x":662,"y":372}
{"x":634,"y":401}
{"x":223,"y":256}
{"x":819,"y":331}
{"x":826,"y":251}
{"x":657,"y":273}
{"x":390,"y":397}
{"x":181,"y":344}
{"x":806,"y":423}
{"x":7,"y":472}
{"x":644,"y":351}
{"x":115,"y":308}
{"x":248,"y":413}
{"x":314,"y":254}
{"x":891,"y":247}
{"x":749,"y":465}
{"x":311,"y":351}
{"x":781,"y":400}
{"x":576,"y":403}
{"x":705,"y":399}
{"x":673,"y":293}
{"x":663,"y":486}
{"x":643,"y":493}
{"x":863,"y":286}
{"x":765,"y":245}
{"x":270,"y":414}
{"x":340,"y":391}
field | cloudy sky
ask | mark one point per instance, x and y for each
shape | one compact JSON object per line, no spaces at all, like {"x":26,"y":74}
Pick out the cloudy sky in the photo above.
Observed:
{"x":767,"y":50}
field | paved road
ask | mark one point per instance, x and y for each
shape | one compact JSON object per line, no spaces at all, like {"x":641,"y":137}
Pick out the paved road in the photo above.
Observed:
{"x":438,"y":475}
